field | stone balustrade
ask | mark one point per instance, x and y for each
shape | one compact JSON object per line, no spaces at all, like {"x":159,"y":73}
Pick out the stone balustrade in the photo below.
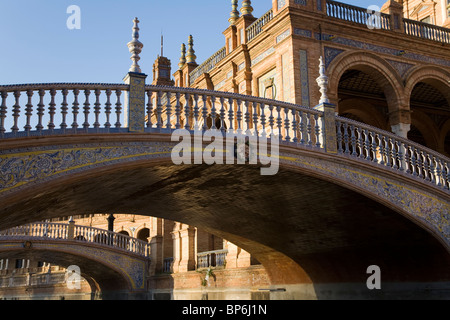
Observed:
{"x":210,"y":259}
{"x":167,"y":109}
{"x":70,"y":232}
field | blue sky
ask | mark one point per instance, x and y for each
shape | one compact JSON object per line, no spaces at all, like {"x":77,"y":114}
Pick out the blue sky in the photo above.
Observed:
{"x":37,"y":46}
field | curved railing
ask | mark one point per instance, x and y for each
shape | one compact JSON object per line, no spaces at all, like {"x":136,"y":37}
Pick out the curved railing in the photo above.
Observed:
{"x":60,"y":108}
{"x":171,"y":108}
{"x":67,"y":232}
{"x":377,"y":146}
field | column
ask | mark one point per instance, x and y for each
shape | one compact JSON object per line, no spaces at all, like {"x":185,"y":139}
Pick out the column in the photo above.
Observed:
{"x":187,"y":243}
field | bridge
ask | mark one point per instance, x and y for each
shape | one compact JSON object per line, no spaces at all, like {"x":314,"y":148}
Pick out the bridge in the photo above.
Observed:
{"x":114,"y":265}
{"x":358,"y":175}
{"x":346,"y":196}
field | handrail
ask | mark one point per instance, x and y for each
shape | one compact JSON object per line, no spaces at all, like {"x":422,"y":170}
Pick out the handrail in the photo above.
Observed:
{"x":39,"y":115}
{"x":208,"y":65}
{"x":63,"y":232}
{"x":355,"y":14}
{"x":167,"y":109}
{"x":377,"y":146}
{"x":426,"y":31}
{"x":256,"y":27}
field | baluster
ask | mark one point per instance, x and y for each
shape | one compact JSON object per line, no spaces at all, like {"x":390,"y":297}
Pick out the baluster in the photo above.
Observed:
{"x":413,"y":161}
{"x":432,"y":161}
{"x":213,"y":113}
{"x":263,"y":120}
{"x":118,"y":109}
{"x":205,"y":112}
{"x":374,"y":147}
{"x":187,"y":110}
{"x":346,"y":139}
{"x":87,"y":109}
{"x":40,"y":109}
{"x":222,"y":115}
{"x":239,"y":116}
{"x":168,"y":112}
{"x":108,"y":109}
{"x":302,"y":128}
{"x":309,"y":130}
{"x":97,"y":106}
{"x":353,"y":141}
{"x":196,"y":113}
{"x":317,"y":130}
{"x":426,"y":167}
{"x":420,"y":163}
{"x":408,"y":160}
{"x":3,"y":111}
{"x":52,"y":110}
{"x":29,"y":111}
{"x":399,"y":146}
{"x":16,"y":112}
{"x":231,"y":115}
{"x":178,"y":111}
{"x":149,"y":109}
{"x":247,"y":118}
{"x":279,"y":123}
{"x":367,"y":145}
{"x":75,"y":109}
{"x":287,"y":125}
{"x":271,"y":120}
{"x":64,"y":110}
{"x":294,"y":125}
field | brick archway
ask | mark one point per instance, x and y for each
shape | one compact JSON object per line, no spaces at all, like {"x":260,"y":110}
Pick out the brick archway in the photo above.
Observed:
{"x":435,"y":76}
{"x":380,"y":71}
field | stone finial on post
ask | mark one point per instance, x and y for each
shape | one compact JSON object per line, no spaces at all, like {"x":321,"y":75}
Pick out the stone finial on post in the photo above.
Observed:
{"x":322,"y":81}
{"x":135,"y":97}
{"x":183,"y":56}
{"x":135,"y":47}
{"x":329,"y":112}
{"x":234,"y":15}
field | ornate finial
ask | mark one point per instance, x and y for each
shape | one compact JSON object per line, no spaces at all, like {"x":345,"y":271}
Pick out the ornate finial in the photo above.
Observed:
{"x":234,"y":15}
{"x":183,"y":56}
{"x":322,"y":81}
{"x":247,"y":8}
{"x":190,"y":57}
{"x":135,"y":47}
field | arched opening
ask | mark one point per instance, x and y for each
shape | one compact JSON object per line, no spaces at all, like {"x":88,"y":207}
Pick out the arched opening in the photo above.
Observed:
{"x":416,"y":135}
{"x":429,"y":100}
{"x":143,"y":234}
{"x":362,"y":99}
{"x":447,"y":144}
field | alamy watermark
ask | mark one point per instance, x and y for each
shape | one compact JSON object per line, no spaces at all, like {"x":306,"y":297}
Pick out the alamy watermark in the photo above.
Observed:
{"x":374,"y":18}
{"x":374,"y":281}
{"x":73,"y":278}
{"x":226,"y":148}
{"x":74,"y":20}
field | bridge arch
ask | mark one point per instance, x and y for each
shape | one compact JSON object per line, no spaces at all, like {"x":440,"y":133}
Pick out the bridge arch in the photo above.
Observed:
{"x":149,"y":182}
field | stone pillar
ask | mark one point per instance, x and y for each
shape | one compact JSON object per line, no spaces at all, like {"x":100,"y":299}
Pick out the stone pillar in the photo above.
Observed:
{"x":156,"y":254}
{"x":71,"y":229}
{"x":187,"y":242}
{"x":401,"y":129}
{"x":176,"y":251}
{"x":236,"y":257}
{"x":395,"y":10}
{"x":329,"y":112}
{"x":134,"y":110}
{"x":111,"y":219}
{"x":156,"y":246}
